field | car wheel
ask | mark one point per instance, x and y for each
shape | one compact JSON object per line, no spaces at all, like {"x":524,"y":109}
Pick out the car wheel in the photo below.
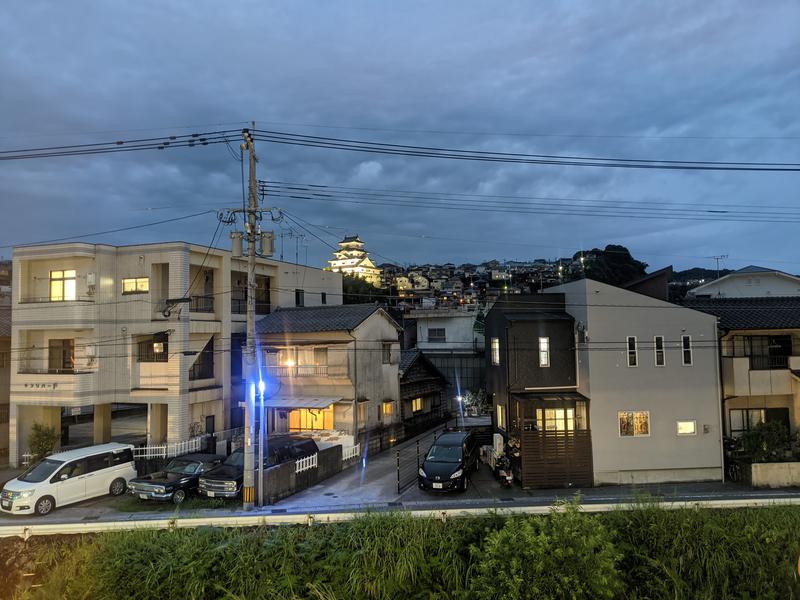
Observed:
{"x":117,"y":487}
{"x":178,"y":497}
{"x":44,"y":505}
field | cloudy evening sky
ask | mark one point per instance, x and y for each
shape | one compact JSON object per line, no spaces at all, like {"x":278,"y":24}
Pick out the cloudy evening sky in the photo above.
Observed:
{"x":675,"y":81}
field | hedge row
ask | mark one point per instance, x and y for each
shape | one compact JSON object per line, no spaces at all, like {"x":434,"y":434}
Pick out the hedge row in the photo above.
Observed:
{"x":644,"y":553}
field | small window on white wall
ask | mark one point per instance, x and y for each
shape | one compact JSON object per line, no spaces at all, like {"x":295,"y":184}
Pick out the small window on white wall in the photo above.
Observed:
{"x":633,"y":351}
{"x":686,"y":348}
{"x":658,"y":350}
{"x":544,"y":351}
{"x":495,"y":351}
{"x":687,"y":428}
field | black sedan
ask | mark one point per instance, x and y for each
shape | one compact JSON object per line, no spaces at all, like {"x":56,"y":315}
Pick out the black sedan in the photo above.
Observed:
{"x":178,"y":478}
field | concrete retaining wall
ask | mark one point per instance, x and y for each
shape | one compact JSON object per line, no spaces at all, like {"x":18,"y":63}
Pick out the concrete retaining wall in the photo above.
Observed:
{"x":282,"y":481}
{"x":775,"y":475}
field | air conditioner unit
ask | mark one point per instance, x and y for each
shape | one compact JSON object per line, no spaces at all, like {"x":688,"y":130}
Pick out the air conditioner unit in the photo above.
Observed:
{"x":91,"y":351}
{"x":90,"y":279}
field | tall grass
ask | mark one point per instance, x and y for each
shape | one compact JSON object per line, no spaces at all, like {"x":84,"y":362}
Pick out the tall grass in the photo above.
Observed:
{"x":648,"y":553}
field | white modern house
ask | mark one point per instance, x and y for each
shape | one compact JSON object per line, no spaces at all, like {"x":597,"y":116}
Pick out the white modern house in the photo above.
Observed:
{"x":157,"y":324}
{"x":749,"y":282}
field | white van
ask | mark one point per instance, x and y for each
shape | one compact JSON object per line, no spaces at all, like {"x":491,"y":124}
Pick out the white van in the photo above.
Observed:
{"x":69,"y":477}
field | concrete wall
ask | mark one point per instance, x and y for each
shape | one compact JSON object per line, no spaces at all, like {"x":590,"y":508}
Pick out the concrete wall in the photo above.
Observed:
{"x":775,"y":475}
{"x":281,"y":481}
{"x":670,"y":393}
{"x":458,"y":325}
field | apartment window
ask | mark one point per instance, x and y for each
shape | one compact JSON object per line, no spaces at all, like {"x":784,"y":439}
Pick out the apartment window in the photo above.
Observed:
{"x":61,"y":356}
{"x":323,"y":298}
{"x":321,"y":357}
{"x":501,"y":416}
{"x":555,"y":419}
{"x":544,"y":351}
{"x":658,"y":350}
{"x":687,"y":427}
{"x":299,"y":298}
{"x":153,"y":349}
{"x":388,"y":408}
{"x":203,"y":367}
{"x":743,"y":420}
{"x":136,"y":285}
{"x":62,"y":286}
{"x":686,"y":347}
{"x":495,"y":351}
{"x":634,"y":423}
{"x":386,"y":353}
{"x":633,"y":351}
{"x":436,"y":334}
{"x":363,"y":417}
{"x":417,"y":404}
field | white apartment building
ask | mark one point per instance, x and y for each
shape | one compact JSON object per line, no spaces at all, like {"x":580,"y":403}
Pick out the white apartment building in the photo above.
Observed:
{"x":155,"y":324}
{"x":749,"y":282}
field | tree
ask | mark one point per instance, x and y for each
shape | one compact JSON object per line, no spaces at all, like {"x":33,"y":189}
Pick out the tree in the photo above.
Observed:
{"x":613,"y":265}
{"x":358,"y":291}
{"x":42,"y":441}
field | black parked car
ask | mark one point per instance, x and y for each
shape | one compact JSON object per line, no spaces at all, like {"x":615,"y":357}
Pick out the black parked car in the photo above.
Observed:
{"x":449,"y":461}
{"x":225,"y":480}
{"x":177,"y":480}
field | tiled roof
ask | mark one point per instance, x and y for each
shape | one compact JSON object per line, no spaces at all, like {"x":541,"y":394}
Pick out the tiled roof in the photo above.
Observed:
{"x":345,"y":317}
{"x":407,"y":358}
{"x":5,"y":321}
{"x":776,"y":312}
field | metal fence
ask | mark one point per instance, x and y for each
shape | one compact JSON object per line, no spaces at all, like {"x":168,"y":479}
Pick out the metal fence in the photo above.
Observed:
{"x":410,"y":457}
{"x":351,"y":452}
{"x":170,"y":450}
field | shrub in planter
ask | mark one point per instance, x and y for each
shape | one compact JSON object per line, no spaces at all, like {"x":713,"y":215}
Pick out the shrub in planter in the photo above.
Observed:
{"x":567,"y":554}
{"x":766,"y":442}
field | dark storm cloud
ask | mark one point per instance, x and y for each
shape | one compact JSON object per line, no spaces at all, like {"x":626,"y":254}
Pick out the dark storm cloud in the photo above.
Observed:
{"x":80,"y":71}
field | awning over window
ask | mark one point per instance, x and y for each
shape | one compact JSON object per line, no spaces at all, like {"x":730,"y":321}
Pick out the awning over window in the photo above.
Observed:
{"x":291,"y":402}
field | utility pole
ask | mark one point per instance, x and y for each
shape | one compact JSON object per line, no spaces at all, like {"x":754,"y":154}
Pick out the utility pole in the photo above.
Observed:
{"x":719,"y":258}
{"x":248,"y":496}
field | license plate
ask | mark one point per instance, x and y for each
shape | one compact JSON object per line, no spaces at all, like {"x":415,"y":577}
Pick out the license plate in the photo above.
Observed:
{"x":6,"y":504}
{"x":437,"y":486}
{"x":143,"y":496}
{"x":210,"y":494}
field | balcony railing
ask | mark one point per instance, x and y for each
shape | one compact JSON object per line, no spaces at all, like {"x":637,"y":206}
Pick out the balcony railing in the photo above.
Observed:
{"x":763,"y":363}
{"x":27,"y":371}
{"x":298,"y":371}
{"x":202,"y":304}
{"x":239,"y":307}
{"x":48,"y":300}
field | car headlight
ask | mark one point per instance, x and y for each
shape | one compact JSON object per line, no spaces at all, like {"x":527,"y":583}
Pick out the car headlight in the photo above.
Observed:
{"x":202,"y":482}
{"x":422,"y":473}
{"x":25,"y":494}
{"x":457,"y":474}
{"x":160,"y":489}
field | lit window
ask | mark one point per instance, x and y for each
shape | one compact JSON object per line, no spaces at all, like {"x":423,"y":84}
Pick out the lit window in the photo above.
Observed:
{"x":62,"y":286}
{"x":686,"y":346}
{"x":136,"y":285}
{"x":634,"y":423}
{"x":495,"y":351}
{"x":501,"y":416}
{"x":658,"y":350}
{"x":633,"y":352}
{"x":687,"y":427}
{"x":544,"y":352}
{"x":555,"y":419}
{"x":416,"y":404}
{"x":388,"y":408}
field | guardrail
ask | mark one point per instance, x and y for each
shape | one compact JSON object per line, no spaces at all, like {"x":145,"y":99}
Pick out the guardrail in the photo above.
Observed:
{"x":304,"y":464}
{"x":266,"y":517}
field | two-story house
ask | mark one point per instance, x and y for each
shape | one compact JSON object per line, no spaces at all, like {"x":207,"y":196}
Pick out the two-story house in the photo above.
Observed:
{"x":602,"y":385}
{"x":749,"y":282}
{"x":760,"y":358}
{"x":158,"y":324}
{"x":337,"y":373}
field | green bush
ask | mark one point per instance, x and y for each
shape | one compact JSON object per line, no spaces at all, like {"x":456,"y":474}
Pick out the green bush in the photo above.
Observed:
{"x":766,"y":442}
{"x":42,"y":441}
{"x":566,"y":555}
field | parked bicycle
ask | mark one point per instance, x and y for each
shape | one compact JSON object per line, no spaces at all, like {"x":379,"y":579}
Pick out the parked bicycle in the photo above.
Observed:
{"x":733,"y":459}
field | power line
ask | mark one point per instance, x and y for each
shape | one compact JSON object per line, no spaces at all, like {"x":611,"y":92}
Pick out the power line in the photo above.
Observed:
{"x":513,"y":157}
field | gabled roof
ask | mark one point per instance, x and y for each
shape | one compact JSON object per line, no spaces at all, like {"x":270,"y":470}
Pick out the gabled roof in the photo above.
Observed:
{"x":748,"y":270}
{"x":345,"y":317}
{"x":409,"y":357}
{"x":771,"y":312}
{"x":755,"y":269}
{"x":5,"y":321}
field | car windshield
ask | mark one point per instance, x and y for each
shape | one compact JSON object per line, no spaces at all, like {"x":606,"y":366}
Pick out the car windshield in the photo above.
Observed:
{"x":40,"y":471}
{"x":446,"y":454}
{"x":236,"y":459}
{"x":179,"y":465}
